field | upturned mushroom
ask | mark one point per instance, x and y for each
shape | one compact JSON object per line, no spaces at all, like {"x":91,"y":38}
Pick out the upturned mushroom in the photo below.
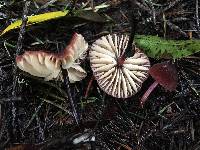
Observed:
{"x":48,"y":65}
{"x":116,"y":75}
{"x":165,"y":74}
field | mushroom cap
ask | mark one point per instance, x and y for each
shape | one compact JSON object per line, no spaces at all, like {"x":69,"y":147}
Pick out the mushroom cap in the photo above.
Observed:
{"x":76,"y":49}
{"x":165,"y":74}
{"x":119,"y":81}
{"x":48,"y":65}
{"x":40,"y":64}
{"x":76,"y":73}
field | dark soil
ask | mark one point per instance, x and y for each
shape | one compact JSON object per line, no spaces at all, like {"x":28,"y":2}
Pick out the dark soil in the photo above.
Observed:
{"x":33,"y":112}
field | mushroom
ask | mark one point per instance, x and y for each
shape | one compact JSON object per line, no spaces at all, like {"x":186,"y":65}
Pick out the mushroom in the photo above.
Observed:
{"x":76,"y":73}
{"x":40,"y":64}
{"x":48,"y":65}
{"x":118,"y":76}
{"x":165,"y":74}
{"x":76,"y":49}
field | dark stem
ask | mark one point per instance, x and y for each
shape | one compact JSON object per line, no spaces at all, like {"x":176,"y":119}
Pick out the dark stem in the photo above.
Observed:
{"x":130,"y":50}
{"x":133,"y":20}
{"x":147,"y":93}
{"x":67,"y":87}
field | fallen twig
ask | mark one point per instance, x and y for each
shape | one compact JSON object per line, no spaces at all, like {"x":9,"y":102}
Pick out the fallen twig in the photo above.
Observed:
{"x":197,"y":17}
{"x":88,"y":87}
{"x":66,"y":84}
{"x":172,"y":4}
{"x":12,"y":131}
{"x":177,"y":28}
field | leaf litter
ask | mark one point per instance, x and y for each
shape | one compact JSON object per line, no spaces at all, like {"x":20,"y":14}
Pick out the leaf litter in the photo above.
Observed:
{"x":37,"y":114}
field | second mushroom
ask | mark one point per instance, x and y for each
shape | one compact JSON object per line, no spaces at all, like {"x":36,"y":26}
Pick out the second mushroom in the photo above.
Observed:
{"x":48,"y":65}
{"x":118,"y":76}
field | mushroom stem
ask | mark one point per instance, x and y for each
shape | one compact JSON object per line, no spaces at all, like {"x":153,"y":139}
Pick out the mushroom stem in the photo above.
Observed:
{"x":147,"y":93}
{"x":120,"y":61}
{"x":133,"y":19}
{"x":130,"y":50}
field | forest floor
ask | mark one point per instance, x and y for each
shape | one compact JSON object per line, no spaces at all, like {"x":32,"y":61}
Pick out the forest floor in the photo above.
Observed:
{"x":34,"y":114}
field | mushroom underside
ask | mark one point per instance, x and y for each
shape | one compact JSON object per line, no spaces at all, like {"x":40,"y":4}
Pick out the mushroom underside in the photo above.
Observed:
{"x":48,"y":65}
{"x":122,"y":80}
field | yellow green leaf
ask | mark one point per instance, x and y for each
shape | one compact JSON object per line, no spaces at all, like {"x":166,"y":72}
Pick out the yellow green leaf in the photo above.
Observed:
{"x":36,"y":19}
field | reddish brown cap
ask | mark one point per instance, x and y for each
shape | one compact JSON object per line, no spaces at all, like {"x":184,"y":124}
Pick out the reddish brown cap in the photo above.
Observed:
{"x":165,"y":74}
